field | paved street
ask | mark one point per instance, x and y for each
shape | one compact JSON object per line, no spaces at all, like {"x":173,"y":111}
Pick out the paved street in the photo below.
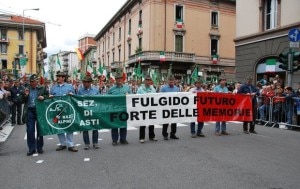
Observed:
{"x":269,"y":160}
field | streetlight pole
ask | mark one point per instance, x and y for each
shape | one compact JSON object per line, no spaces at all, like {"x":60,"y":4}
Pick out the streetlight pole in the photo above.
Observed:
{"x":23,"y":31}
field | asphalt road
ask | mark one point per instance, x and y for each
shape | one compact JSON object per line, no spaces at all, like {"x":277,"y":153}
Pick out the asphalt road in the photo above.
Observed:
{"x":268,"y":160}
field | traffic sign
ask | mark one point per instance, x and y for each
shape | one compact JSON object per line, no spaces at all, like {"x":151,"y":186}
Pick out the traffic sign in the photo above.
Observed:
{"x":294,"y":44}
{"x":294,"y":35}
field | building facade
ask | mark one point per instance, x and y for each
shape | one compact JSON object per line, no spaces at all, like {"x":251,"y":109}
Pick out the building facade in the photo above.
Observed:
{"x":86,"y":41}
{"x":171,"y":36}
{"x":21,"y":45}
{"x":66,"y":61}
{"x":262,"y":34}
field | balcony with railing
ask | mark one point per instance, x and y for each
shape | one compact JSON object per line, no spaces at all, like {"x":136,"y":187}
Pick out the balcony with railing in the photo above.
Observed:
{"x":4,"y":39}
{"x":65,"y":64}
{"x":19,"y":55}
{"x":114,"y":65}
{"x":94,"y":60}
{"x":65,"y":58}
{"x":155,"y":56}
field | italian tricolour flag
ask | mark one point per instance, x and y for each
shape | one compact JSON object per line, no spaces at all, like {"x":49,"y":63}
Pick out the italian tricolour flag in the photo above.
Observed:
{"x":179,"y":23}
{"x":162,"y":56}
{"x":270,"y":65}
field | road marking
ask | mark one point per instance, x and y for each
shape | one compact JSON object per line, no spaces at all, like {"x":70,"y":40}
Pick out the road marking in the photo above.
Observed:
{"x":131,"y":128}
{"x":259,"y":135}
{"x":86,"y":159}
{"x":181,"y":125}
{"x":50,"y":138}
{"x":5,"y":132}
{"x":103,"y":130}
{"x":35,"y":155}
{"x":236,"y":122}
{"x":40,"y":161}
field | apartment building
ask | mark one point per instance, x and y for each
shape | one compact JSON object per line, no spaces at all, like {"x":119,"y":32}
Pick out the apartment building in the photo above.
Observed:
{"x":66,"y":61}
{"x":262,"y":28}
{"x":21,"y":45}
{"x":86,"y":41}
{"x":171,"y":35}
{"x":87,"y":47}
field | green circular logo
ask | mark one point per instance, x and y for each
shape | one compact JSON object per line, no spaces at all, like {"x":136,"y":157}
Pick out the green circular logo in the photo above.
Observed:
{"x":60,"y":114}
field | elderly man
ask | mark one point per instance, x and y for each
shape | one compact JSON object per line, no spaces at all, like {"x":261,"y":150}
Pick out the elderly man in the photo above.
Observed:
{"x":87,"y":89}
{"x":62,"y":88}
{"x":251,"y":90}
{"x":143,"y":89}
{"x":119,"y":89}
{"x":170,"y":87}
{"x":31,"y":94}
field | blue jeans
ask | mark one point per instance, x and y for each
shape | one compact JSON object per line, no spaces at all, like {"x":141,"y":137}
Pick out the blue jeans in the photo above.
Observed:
{"x":66,"y":139}
{"x":33,"y":142}
{"x":200,"y":127}
{"x":289,"y":115}
{"x":263,"y":109}
{"x":222,"y":125}
{"x":115,"y":134}
{"x":86,"y":137}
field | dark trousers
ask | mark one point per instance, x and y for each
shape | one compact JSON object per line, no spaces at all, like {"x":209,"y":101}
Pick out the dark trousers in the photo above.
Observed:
{"x":245,"y":125}
{"x":151,"y":132}
{"x":115,"y":134}
{"x":86,"y":137}
{"x":33,"y":142}
{"x":165,"y":129}
{"x":251,"y":123}
{"x":16,"y":111}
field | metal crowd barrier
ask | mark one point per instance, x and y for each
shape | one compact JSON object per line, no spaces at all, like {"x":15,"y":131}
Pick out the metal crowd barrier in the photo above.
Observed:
{"x":4,"y":114}
{"x":279,"y":113}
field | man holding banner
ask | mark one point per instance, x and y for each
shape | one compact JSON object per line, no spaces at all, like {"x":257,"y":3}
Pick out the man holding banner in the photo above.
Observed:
{"x":197,"y":88}
{"x":143,"y":89}
{"x":170,"y":87}
{"x":221,"y":88}
{"x":119,"y":89}
{"x":250,"y":89}
{"x":31,"y":94}
{"x":61,"y":89}
{"x":87,"y":89}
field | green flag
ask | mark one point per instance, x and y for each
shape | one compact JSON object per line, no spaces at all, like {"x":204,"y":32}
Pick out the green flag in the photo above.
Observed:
{"x":23,"y":61}
{"x":51,"y":75}
{"x":194,"y":75}
{"x":169,"y":71}
{"x":100,"y":69}
{"x":81,"y":76}
{"x":139,"y":71}
{"x":75,"y":72}
{"x":58,"y":62}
